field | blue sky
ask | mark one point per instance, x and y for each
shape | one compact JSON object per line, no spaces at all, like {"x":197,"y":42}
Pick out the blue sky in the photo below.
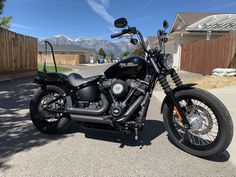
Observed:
{"x":94,"y":18}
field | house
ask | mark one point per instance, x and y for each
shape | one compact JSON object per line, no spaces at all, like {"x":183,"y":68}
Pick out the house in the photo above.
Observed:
{"x":191,"y":27}
{"x":66,"y":54}
{"x":180,"y":29}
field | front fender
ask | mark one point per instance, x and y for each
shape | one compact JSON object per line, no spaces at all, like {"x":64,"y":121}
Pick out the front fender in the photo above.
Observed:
{"x":176,"y":89}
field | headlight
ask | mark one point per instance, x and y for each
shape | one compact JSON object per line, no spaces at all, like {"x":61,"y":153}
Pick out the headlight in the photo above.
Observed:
{"x":167,"y":60}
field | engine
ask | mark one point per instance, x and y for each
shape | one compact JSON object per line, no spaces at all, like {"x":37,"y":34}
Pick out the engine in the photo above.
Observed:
{"x":119,"y":88}
{"x":122,"y":93}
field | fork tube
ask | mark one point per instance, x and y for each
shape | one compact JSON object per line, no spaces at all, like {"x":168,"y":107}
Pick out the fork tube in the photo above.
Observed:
{"x":155,"y":66}
{"x":175,"y":77}
{"x":169,"y":92}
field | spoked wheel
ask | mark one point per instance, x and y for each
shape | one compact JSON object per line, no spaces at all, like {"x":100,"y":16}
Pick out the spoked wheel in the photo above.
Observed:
{"x":211,"y":125}
{"x":44,"y":103}
{"x":45,"y":121}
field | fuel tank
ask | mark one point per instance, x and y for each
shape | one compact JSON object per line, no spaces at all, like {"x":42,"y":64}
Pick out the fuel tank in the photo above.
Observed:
{"x":129,"y":68}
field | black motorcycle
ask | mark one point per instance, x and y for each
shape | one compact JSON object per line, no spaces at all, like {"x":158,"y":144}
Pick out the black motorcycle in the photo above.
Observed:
{"x":196,"y":121}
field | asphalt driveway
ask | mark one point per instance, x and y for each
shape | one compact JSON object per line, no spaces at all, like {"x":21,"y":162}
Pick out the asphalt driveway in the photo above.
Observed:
{"x":28,"y":153}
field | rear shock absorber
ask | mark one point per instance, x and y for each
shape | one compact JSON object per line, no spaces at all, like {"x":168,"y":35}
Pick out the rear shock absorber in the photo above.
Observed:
{"x":175,"y":77}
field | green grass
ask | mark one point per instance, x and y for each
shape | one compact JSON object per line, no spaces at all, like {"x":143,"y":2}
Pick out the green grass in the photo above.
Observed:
{"x":51,"y":68}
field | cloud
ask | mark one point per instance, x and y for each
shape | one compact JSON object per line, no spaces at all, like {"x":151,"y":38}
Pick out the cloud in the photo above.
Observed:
{"x":22,"y":26}
{"x":113,"y":29}
{"x":105,"y":2}
{"x":146,"y":5}
{"x":100,"y":7}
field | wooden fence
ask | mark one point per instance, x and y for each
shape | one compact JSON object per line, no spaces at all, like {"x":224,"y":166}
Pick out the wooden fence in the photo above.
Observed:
{"x":65,"y":58}
{"x":18,"y":55}
{"x":203,"y":56}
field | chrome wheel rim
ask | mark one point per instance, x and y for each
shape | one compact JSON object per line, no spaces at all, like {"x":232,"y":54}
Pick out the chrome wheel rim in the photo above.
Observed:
{"x":46,"y":115}
{"x":205,"y":129}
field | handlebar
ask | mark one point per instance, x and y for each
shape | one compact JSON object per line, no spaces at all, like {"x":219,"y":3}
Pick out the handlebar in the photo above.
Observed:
{"x":142,"y":42}
{"x":116,"y":35}
{"x":124,"y":31}
{"x":133,"y":30}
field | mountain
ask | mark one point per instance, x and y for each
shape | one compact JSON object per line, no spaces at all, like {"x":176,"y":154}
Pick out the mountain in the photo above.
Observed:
{"x":58,"y":40}
{"x":117,"y":48}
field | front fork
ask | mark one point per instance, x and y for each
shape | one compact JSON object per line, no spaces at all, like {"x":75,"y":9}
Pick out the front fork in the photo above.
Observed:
{"x":169,"y":92}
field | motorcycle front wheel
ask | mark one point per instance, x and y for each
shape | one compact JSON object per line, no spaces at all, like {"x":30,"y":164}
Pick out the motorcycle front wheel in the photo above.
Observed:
{"x":211,"y":129}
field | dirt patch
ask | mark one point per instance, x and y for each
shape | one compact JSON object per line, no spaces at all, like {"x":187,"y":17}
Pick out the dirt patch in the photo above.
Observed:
{"x":208,"y":82}
{"x":204,"y":82}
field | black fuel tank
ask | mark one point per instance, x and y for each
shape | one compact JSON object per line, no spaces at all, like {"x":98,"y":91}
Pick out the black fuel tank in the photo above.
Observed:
{"x":129,"y":68}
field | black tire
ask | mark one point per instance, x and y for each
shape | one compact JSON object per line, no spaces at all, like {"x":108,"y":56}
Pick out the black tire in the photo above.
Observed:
{"x":225,"y":125}
{"x":38,"y":120}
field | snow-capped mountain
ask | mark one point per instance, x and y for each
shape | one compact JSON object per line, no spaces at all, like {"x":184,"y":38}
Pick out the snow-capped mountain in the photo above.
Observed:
{"x":81,"y":39}
{"x":59,"y":40}
{"x":117,"y":48}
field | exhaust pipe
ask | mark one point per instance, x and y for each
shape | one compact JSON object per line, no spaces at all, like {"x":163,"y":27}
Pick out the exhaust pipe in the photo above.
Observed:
{"x":131,"y":109}
{"x":90,"y":119}
{"x":90,"y":112}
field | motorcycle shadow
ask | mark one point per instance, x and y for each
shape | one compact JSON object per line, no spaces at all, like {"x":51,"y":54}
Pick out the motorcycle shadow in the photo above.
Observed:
{"x":222,"y":157}
{"x":152,"y":129}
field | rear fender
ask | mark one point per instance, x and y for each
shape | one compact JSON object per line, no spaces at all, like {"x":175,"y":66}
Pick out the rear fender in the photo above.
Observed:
{"x":179,"y":88}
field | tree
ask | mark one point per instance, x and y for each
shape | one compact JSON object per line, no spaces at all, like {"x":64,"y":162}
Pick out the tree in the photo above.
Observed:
{"x":5,"y":22}
{"x":2,"y":5}
{"x":138,"y":51}
{"x":102,"y":53}
{"x":125,"y":54}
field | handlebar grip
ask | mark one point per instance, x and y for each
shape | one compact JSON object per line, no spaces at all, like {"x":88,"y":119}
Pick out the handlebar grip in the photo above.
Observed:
{"x":116,"y":35}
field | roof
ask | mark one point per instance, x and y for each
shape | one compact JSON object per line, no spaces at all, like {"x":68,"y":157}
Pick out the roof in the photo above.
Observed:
{"x":217,"y":23}
{"x":187,"y":18}
{"x":152,"y":40}
{"x":66,"y":48}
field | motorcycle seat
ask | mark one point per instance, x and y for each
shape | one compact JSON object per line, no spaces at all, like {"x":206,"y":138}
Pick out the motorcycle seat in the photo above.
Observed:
{"x":76,"y":79}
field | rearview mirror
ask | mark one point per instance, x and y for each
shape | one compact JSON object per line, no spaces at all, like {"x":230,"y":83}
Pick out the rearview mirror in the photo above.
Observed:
{"x":120,"y":23}
{"x":134,"y":41}
{"x":165,"y":24}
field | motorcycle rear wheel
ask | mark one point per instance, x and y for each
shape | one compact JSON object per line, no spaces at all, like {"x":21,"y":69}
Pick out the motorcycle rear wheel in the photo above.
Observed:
{"x":44,"y":121}
{"x":211,"y":118}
